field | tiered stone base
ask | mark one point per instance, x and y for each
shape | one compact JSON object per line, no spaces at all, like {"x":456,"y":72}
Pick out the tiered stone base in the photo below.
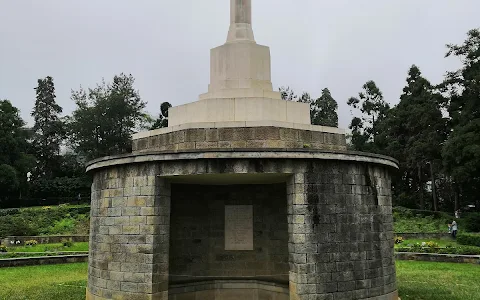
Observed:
{"x":223,"y":138}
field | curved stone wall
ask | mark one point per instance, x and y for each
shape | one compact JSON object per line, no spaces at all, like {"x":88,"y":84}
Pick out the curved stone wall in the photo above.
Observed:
{"x":240,"y":138}
{"x":339,"y":214}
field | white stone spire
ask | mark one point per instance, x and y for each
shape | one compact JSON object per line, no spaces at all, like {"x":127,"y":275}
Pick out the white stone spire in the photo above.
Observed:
{"x":240,"y":88}
{"x":240,"y":22}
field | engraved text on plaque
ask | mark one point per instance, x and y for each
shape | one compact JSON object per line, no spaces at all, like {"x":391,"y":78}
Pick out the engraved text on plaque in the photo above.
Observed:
{"x":239,"y":227}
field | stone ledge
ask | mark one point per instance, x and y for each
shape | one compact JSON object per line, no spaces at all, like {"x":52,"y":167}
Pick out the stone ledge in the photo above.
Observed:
{"x":43,"y":260}
{"x":242,"y":138}
{"x":454,"y":258}
{"x":238,"y":124}
{"x":132,"y":158}
{"x":127,"y":296}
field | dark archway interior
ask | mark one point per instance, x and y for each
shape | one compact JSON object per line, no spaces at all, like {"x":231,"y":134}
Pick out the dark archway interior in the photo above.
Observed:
{"x":197,"y":233}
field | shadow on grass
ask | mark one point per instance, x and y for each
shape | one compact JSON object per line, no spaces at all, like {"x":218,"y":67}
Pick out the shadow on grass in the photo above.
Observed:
{"x":415,"y":291}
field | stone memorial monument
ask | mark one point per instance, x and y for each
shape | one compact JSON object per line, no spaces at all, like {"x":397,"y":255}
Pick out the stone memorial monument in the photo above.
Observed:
{"x":241,"y":198}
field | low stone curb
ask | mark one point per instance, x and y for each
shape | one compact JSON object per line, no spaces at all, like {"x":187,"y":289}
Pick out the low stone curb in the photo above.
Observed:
{"x":63,"y":259}
{"x":42,"y":260}
{"x":61,"y":253}
{"x":453,"y":258}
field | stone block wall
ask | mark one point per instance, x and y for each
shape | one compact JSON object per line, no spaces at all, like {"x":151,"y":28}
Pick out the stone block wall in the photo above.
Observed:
{"x":129,"y":234}
{"x":338,"y":217}
{"x":197,"y":243}
{"x":241,"y":138}
{"x":341,"y":232}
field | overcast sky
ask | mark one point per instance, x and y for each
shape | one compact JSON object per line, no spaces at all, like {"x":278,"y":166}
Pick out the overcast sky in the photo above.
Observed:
{"x":164,"y":44}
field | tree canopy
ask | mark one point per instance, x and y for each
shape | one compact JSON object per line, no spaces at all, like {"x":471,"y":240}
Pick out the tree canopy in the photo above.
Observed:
{"x":106,"y":117}
{"x":15,"y":160}
{"x":323,"y":110}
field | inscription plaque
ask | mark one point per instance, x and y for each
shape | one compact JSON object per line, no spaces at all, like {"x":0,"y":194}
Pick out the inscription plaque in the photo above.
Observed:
{"x":238,"y":227}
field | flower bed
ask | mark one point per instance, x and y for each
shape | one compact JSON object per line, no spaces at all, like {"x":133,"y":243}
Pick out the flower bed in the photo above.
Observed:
{"x":41,"y":250}
{"x":434,"y":246}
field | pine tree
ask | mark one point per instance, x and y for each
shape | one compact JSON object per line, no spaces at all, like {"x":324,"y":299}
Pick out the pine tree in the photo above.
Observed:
{"x":413,"y":132}
{"x":48,"y":128}
{"x":373,"y":109}
{"x":461,"y":151}
{"x":325,"y":110}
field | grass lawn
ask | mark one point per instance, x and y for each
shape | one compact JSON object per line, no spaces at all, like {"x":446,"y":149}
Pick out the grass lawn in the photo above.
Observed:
{"x":82,"y":246}
{"x":50,"y":282}
{"x":438,"y":281}
{"x":416,"y":281}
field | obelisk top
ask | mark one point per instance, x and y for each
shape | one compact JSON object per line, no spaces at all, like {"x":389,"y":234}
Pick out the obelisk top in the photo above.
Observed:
{"x":240,"y":11}
{"x":240,"y":22}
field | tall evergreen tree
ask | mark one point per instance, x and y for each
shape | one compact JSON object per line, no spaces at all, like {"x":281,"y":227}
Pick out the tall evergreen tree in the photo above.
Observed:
{"x":461,"y":153}
{"x":413,"y":132}
{"x":48,"y":128}
{"x":373,"y":109}
{"x":15,"y":161}
{"x":325,"y":110}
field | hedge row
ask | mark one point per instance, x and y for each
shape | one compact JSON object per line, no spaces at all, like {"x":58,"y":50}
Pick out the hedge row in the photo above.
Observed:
{"x":469,"y":239}
{"x":42,"y":220}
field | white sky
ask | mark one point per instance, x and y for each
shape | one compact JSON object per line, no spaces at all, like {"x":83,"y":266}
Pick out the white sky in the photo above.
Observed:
{"x":165,"y":45}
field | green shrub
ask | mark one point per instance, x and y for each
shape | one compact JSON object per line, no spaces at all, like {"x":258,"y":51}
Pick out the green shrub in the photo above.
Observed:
{"x":82,"y":225}
{"x":31,"y":243}
{"x":468,"y":250}
{"x":468,"y":239}
{"x":9,"y":211}
{"x":39,"y":220}
{"x":417,"y":247}
{"x":420,"y":221}
{"x":16,"y":225}
{"x":443,"y":251}
{"x":471,"y":222}
{"x":3,"y":248}
{"x":65,"y":225}
{"x":67,"y":243}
